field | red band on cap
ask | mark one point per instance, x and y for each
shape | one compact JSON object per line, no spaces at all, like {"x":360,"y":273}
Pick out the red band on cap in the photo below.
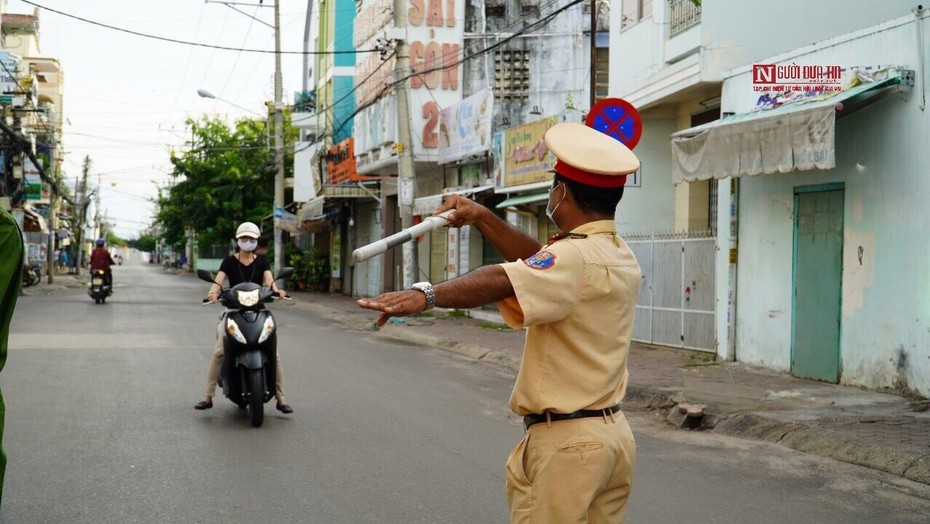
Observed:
{"x":587,"y":177}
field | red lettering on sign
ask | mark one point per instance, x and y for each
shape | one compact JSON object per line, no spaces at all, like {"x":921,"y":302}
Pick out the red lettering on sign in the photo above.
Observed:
{"x":433,"y":62}
{"x":417,"y":56}
{"x":430,"y":136}
{"x":415,"y":13}
{"x":450,"y":8}
{"x":435,"y":18}
{"x":450,"y":72}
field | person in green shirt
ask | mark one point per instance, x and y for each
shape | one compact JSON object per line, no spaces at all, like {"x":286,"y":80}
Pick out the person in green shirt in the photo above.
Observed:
{"x":11,"y":278}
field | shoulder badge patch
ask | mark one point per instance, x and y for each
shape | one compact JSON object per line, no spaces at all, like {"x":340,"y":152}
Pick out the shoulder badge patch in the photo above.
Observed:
{"x":542,"y":260}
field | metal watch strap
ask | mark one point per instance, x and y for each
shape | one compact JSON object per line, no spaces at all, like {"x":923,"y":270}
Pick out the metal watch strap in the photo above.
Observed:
{"x":427,"y":290}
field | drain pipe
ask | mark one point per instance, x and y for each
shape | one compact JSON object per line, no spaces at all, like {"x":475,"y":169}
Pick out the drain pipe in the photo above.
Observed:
{"x":918,"y":14}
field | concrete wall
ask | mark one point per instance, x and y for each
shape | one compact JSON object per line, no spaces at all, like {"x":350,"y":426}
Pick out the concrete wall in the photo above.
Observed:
{"x":650,"y":207}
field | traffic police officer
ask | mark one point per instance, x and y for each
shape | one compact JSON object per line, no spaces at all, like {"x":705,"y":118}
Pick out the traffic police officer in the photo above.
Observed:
{"x":576,"y":297}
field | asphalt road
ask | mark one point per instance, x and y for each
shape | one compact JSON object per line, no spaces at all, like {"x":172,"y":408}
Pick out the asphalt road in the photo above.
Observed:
{"x":101,"y":429}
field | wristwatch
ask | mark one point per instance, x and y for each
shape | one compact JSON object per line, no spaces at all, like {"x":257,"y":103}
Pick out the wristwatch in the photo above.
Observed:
{"x":427,"y":290}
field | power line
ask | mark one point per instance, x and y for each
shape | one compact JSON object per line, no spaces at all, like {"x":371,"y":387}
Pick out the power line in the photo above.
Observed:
{"x":197,"y":44}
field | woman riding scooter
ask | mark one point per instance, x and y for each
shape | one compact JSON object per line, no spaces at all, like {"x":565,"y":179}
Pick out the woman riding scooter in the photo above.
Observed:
{"x":244,"y":266}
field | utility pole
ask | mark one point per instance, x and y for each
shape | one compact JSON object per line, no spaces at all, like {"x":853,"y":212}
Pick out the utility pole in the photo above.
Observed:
{"x":278,"y":211}
{"x":52,"y":214}
{"x":406,"y":177}
{"x":593,"y":53}
{"x":80,"y":211}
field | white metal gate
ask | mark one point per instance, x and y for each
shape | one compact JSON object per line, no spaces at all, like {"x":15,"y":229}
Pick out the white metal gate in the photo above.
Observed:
{"x":676,"y":296}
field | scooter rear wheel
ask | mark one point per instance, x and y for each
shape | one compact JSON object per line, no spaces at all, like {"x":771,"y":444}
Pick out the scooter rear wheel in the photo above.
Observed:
{"x":257,"y":397}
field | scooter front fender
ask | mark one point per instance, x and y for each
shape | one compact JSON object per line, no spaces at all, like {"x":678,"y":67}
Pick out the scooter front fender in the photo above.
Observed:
{"x":252,"y":359}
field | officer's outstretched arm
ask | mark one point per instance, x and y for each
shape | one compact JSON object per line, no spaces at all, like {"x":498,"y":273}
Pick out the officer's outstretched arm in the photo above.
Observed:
{"x":512,"y":242}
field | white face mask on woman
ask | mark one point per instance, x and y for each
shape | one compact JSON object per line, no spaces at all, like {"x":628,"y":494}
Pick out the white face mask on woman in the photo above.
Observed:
{"x":248,"y":244}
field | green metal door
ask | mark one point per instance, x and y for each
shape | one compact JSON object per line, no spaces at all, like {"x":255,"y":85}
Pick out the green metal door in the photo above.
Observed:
{"x":818,"y":267}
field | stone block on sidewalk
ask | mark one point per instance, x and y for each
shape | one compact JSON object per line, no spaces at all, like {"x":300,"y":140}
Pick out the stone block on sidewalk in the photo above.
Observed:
{"x":692,"y":410}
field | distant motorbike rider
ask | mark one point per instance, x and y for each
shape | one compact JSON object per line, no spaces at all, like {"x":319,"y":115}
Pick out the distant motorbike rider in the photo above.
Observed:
{"x":100,"y":259}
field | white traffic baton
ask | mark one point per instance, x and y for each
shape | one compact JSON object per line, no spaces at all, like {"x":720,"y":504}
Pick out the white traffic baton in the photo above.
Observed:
{"x":380,"y":246}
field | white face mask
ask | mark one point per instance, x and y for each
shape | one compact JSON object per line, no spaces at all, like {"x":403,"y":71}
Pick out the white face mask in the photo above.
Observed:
{"x":247,"y":244}
{"x":550,"y":212}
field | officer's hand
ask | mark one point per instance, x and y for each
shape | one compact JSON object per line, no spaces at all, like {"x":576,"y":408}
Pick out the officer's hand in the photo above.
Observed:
{"x":467,"y":211}
{"x":395,"y":304}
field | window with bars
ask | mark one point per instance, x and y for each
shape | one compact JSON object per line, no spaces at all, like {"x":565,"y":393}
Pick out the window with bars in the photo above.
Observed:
{"x":602,"y":73}
{"x":512,"y":75}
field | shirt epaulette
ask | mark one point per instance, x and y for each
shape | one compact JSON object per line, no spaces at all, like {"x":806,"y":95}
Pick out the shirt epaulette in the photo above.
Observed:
{"x":564,"y":234}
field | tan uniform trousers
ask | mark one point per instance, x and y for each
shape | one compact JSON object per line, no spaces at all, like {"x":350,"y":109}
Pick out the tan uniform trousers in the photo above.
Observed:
{"x":216,"y":364}
{"x":572,"y":471}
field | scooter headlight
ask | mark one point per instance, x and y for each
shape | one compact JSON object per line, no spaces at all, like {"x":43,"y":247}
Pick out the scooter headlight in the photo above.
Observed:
{"x":267,"y":330}
{"x":233,"y":330}
{"x":248,"y":298}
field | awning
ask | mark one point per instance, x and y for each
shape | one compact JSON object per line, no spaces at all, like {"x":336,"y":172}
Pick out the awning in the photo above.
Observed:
{"x":425,"y":206}
{"x":794,"y":136}
{"x":38,"y":223}
{"x":311,"y":209}
{"x":523,"y":199}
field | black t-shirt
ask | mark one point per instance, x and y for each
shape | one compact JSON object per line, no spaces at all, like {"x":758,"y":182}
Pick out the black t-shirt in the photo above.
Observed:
{"x":238,"y":273}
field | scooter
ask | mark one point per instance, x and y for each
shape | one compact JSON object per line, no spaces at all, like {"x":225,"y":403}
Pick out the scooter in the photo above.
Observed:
{"x":31,"y":275}
{"x":99,"y":287}
{"x":250,"y":342}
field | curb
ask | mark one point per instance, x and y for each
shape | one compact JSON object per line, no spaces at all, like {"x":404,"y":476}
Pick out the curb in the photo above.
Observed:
{"x":911,"y":465}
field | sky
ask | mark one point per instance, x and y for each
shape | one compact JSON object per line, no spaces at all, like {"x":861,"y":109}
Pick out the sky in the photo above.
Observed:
{"x":126,"y":97}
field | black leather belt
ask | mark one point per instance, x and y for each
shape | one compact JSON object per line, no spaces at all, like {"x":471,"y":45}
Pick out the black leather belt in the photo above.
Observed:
{"x":536,"y":418}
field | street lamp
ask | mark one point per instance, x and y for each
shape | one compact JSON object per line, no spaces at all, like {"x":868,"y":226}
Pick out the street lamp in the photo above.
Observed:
{"x":203,"y":93}
{"x":278,"y":150}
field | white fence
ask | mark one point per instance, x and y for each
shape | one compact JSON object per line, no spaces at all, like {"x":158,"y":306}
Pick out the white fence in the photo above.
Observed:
{"x":676,"y":297}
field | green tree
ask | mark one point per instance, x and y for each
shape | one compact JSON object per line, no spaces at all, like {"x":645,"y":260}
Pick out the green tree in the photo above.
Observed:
{"x":225,"y":177}
{"x":144,"y":243}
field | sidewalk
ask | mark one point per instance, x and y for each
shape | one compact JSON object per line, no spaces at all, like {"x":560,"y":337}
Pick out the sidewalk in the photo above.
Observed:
{"x":876,"y":430}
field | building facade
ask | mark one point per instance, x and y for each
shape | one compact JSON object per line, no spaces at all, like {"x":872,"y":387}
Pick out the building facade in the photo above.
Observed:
{"x":32,"y":101}
{"x":793,"y":182}
{"x":466,"y":62}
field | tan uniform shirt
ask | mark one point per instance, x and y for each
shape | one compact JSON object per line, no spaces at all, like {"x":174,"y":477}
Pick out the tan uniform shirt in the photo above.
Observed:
{"x":577,"y":298}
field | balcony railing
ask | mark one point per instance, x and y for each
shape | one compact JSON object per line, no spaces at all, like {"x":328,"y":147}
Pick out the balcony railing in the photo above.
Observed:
{"x":685,"y":14}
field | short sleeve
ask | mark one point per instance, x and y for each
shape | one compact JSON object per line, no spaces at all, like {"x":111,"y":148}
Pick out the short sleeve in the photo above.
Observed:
{"x":267,"y":265}
{"x":546,"y":285}
{"x":226,"y":265}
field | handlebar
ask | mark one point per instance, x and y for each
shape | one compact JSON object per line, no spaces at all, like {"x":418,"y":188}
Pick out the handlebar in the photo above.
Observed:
{"x":206,"y":301}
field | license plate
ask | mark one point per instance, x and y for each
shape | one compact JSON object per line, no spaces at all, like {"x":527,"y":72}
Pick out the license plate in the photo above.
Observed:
{"x":97,"y":281}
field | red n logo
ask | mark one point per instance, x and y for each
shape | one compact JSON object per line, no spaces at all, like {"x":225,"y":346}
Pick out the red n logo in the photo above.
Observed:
{"x":763,"y":73}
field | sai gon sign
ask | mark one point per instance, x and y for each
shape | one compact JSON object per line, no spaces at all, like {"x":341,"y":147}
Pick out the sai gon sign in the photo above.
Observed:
{"x":435,"y":30}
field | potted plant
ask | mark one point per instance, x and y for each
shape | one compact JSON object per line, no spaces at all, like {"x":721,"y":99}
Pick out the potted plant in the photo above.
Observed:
{"x":298,"y":261}
{"x":317,"y":269}
{"x":311,"y":268}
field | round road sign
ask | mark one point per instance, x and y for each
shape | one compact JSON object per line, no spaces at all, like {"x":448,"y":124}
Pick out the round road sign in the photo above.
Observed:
{"x":617,"y":118}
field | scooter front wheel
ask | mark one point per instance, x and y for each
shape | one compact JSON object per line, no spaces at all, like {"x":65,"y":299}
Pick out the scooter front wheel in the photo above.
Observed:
{"x":257,"y":397}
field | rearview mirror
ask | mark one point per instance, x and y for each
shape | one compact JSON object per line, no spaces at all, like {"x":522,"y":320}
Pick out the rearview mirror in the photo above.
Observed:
{"x":203,"y":274}
{"x":285,"y":273}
